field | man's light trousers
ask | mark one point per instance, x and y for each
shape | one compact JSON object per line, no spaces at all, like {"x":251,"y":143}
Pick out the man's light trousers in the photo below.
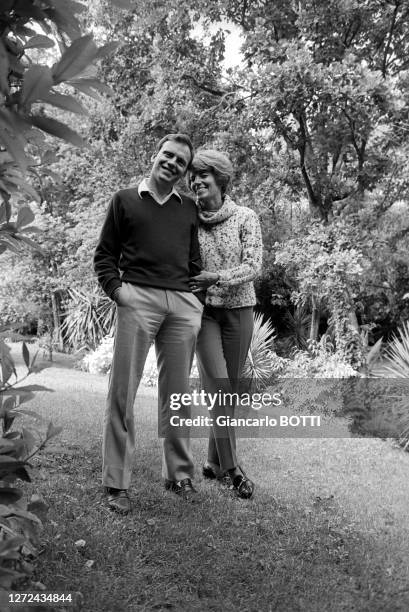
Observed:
{"x":172,"y":320}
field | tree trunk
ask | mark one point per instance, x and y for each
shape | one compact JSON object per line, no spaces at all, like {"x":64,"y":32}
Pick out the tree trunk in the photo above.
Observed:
{"x":56,"y":322}
{"x":315,"y":319}
{"x":353,"y":320}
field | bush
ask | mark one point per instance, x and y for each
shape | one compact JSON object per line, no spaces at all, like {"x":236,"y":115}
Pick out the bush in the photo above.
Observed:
{"x":99,"y":362}
{"x":397,"y":353}
{"x":320,"y":360}
{"x":19,"y":523}
{"x":259,"y":363}
{"x":90,"y":318}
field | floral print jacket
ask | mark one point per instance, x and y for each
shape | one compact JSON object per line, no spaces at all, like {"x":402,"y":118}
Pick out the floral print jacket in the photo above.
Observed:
{"x":231,"y":245}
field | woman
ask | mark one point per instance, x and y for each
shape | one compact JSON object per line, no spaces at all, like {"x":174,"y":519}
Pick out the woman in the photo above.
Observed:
{"x":231,"y":251}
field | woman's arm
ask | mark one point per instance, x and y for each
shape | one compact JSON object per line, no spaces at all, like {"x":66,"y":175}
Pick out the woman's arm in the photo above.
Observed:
{"x":252,"y":254}
{"x":251,"y":259}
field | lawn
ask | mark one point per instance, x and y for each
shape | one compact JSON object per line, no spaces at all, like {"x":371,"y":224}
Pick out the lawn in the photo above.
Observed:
{"x":327,"y":529}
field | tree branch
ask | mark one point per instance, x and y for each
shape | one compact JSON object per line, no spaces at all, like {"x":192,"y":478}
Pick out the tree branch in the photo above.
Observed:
{"x":389,"y":38}
{"x":204,"y":87}
{"x":302,"y":147}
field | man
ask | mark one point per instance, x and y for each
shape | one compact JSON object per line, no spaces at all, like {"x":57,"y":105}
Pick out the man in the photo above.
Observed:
{"x":150,"y":235}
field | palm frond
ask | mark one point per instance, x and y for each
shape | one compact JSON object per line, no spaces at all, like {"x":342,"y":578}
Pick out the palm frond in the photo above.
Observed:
{"x":89,"y":319}
{"x":397,"y":353}
{"x":258,"y":365}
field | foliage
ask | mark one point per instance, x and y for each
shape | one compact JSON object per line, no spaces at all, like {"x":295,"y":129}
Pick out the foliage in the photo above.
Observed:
{"x":24,"y":159}
{"x":259,"y":362}
{"x":19,"y":523}
{"x":397,"y":353}
{"x":25,"y":83}
{"x":328,"y":265}
{"x":90,"y":318}
{"x":313,"y":117}
{"x":320,"y":360}
{"x":324,"y":78}
{"x":99,"y":362}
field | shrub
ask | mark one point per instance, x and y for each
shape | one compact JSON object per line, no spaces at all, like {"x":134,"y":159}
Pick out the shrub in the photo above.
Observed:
{"x":319,"y":361}
{"x":397,"y":353}
{"x":19,"y":523}
{"x":99,"y":362}
{"x":90,"y":318}
{"x":259,"y":363}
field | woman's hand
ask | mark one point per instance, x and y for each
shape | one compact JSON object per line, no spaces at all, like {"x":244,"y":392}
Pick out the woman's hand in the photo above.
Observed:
{"x":203,"y":280}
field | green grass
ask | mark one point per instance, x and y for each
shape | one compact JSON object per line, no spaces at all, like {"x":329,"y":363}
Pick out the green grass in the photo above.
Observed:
{"x":327,"y":528}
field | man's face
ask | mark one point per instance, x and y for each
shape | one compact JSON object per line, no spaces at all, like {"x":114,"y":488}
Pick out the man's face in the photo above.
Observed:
{"x":171,"y":162}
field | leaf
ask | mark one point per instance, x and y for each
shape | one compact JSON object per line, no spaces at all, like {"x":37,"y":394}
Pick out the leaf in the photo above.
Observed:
{"x":5,"y":446}
{"x":8,"y":577}
{"x":23,"y":474}
{"x":19,"y":182}
{"x":10,"y":495}
{"x":37,"y":83}
{"x":52,"y":431}
{"x":26,"y":352}
{"x":10,"y":243}
{"x":34,"y":360}
{"x":4,"y":69}
{"x":11,"y":544}
{"x":14,"y":147}
{"x":32,"y":414}
{"x":67,"y":103}
{"x":3,"y":213}
{"x":29,"y":439}
{"x":62,"y":13}
{"x":26,"y":388}
{"x":8,"y":404}
{"x":49,"y":157}
{"x":25,"y":216}
{"x":87,"y":86}
{"x":107,"y":49}
{"x":30,"y":243}
{"x":27,"y":515}
{"x":58,"y":129}
{"x":75,"y":59}
{"x":7,"y":363}
{"x":40,"y":42}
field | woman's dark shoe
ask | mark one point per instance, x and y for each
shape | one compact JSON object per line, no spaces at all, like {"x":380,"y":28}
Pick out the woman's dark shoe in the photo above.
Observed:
{"x":242,"y":485}
{"x":208,"y":472}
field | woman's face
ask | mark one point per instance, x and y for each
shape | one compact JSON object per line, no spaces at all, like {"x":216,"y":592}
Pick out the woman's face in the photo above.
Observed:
{"x":203,"y":184}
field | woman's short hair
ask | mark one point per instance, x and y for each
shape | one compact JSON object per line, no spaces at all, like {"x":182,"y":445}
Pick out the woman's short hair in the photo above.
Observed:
{"x":215,"y":162}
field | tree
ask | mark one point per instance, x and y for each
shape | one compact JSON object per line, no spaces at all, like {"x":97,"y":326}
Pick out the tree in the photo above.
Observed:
{"x":327,"y":78}
{"x":23,"y":84}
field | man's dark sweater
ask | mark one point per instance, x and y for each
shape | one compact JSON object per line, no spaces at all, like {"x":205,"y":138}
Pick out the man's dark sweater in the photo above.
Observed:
{"x":152,"y":244}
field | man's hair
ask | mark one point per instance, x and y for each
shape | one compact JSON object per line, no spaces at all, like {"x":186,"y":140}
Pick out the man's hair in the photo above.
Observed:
{"x":181,"y":138}
{"x":215,"y":162}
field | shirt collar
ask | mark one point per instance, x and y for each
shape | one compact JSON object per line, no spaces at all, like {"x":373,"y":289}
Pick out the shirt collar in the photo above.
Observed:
{"x":144,"y":188}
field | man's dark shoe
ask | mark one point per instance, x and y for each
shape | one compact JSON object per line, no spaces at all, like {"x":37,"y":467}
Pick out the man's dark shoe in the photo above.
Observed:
{"x":243,"y":486}
{"x":184,"y":488}
{"x":118,"y":500}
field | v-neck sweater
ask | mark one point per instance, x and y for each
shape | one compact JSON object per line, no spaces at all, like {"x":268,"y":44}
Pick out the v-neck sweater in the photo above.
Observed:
{"x":146,"y":243}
